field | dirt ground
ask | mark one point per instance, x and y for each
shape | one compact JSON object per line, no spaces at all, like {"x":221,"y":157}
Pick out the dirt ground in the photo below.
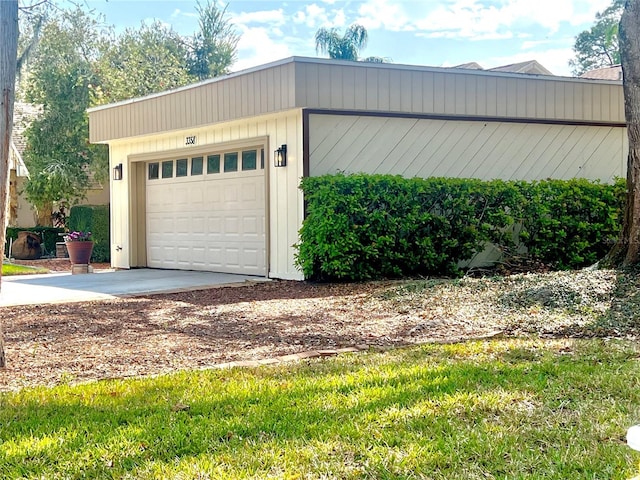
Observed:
{"x":49,"y":344}
{"x":57,"y":264}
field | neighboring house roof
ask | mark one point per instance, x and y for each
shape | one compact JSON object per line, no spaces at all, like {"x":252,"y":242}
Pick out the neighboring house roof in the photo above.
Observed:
{"x":470,"y":66}
{"x":23,"y":115}
{"x":530,"y":67}
{"x":612,"y":72}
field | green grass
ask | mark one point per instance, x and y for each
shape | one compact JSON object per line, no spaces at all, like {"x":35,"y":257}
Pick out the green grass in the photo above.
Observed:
{"x":9,"y":269}
{"x":510,"y":409}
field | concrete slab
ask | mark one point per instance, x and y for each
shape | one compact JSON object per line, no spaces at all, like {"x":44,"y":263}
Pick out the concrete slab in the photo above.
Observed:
{"x":64,"y":287}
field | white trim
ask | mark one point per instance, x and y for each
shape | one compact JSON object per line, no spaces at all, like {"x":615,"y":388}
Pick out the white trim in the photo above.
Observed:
{"x":20,"y":167}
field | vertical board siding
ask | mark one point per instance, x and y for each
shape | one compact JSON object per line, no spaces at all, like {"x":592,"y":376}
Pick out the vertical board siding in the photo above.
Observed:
{"x":360,"y":86}
{"x":457,"y":92}
{"x":469,"y":149}
{"x":226,"y":99}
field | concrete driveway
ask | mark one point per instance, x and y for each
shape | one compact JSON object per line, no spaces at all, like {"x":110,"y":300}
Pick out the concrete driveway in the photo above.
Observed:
{"x":64,"y":287}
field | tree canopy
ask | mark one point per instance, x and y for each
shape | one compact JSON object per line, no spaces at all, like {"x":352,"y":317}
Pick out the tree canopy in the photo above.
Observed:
{"x":140,"y":61}
{"x":213,"y":48}
{"x":342,"y":47}
{"x":58,"y":153}
{"x":79,"y":63}
{"x":599,"y":46}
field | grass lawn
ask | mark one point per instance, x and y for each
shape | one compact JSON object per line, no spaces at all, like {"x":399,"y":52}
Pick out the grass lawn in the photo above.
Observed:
{"x":9,"y":269}
{"x":507,"y":409}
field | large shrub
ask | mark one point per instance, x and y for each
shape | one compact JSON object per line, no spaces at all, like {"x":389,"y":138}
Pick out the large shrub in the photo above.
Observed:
{"x":94,"y":219}
{"x":366,"y":226}
{"x":360,"y":226}
{"x":571,"y":223}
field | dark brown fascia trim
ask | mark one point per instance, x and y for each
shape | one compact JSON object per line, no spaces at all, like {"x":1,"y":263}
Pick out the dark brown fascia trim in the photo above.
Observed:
{"x":435,"y":116}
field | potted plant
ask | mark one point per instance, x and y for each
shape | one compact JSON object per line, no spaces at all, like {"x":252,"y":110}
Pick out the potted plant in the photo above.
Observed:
{"x":79,"y":245}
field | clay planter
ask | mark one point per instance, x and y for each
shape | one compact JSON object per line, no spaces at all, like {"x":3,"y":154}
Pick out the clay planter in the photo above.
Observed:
{"x":79,"y":252}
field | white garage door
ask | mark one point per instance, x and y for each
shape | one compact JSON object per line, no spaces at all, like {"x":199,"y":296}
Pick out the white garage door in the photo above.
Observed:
{"x":207,"y":213}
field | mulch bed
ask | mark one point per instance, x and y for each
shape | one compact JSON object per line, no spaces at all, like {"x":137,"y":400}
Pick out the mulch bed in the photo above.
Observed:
{"x":155,"y":334}
{"x":48,"y":344}
{"x":57,"y":264}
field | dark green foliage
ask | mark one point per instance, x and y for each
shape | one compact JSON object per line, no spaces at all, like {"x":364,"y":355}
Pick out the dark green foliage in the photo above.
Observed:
{"x":366,"y":226}
{"x":49,"y":236}
{"x":571,"y":224}
{"x":599,"y":46}
{"x":94,"y":219}
{"x":342,"y":47}
{"x":361,"y":226}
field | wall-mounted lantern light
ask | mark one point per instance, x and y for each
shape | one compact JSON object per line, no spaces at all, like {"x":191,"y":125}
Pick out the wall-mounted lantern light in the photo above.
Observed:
{"x":281,"y":157}
{"x":117,"y":172}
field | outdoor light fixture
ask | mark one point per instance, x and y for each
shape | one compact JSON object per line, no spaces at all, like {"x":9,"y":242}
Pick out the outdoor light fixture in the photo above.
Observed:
{"x":117,"y":172}
{"x":281,"y":157}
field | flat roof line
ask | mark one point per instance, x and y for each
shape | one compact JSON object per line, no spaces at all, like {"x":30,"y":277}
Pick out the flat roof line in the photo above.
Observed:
{"x":387,"y":66}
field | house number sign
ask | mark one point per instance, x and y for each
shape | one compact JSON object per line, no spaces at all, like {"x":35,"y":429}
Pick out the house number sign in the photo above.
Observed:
{"x":190,"y":140}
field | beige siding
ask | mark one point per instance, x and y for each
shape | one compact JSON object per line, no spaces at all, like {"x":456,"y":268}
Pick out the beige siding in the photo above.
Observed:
{"x":470,"y":149}
{"x":285,"y":204}
{"x":229,"y":98}
{"x":324,"y":84}
{"x":392,"y":88}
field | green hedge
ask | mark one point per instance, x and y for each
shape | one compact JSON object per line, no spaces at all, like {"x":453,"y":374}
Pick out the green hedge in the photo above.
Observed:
{"x":94,"y":219}
{"x":360,"y":226}
{"x":571,"y":224}
{"x":49,"y":236}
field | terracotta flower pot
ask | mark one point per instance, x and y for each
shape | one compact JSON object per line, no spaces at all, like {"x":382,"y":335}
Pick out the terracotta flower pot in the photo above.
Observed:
{"x":79,"y":252}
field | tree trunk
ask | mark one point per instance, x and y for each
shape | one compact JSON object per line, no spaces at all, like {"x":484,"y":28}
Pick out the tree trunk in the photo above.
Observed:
{"x":8,"y":58}
{"x":44,"y":214}
{"x":627,"y":250}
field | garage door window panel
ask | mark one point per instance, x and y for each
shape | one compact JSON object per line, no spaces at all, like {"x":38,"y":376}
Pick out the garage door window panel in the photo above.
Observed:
{"x":181,"y":167}
{"x":249,"y":160}
{"x":231,"y":162}
{"x":154,"y":171}
{"x":213,"y":164}
{"x":167,"y":169}
{"x":196,"y":166}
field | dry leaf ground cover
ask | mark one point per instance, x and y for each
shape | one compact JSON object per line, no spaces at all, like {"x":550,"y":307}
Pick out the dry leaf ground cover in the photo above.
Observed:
{"x":52,"y":344}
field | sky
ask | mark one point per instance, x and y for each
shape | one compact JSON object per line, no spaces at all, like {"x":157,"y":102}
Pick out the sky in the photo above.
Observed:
{"x":440,"y":33}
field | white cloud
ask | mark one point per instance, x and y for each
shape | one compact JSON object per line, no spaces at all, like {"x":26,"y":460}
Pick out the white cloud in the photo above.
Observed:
{"x":476,"y":37}
{"x":272,"y":17}
{"x":339,"y":18}
{"x":179,"y":13}
{"x":386,"y":14}
{"x":256,"y":47}
{"x":315,"y":16}
{"x":477,"y":19}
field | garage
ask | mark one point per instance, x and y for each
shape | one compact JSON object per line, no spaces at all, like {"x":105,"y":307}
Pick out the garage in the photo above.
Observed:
{"x":207,"y":176}
{"x":207,"y":212}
